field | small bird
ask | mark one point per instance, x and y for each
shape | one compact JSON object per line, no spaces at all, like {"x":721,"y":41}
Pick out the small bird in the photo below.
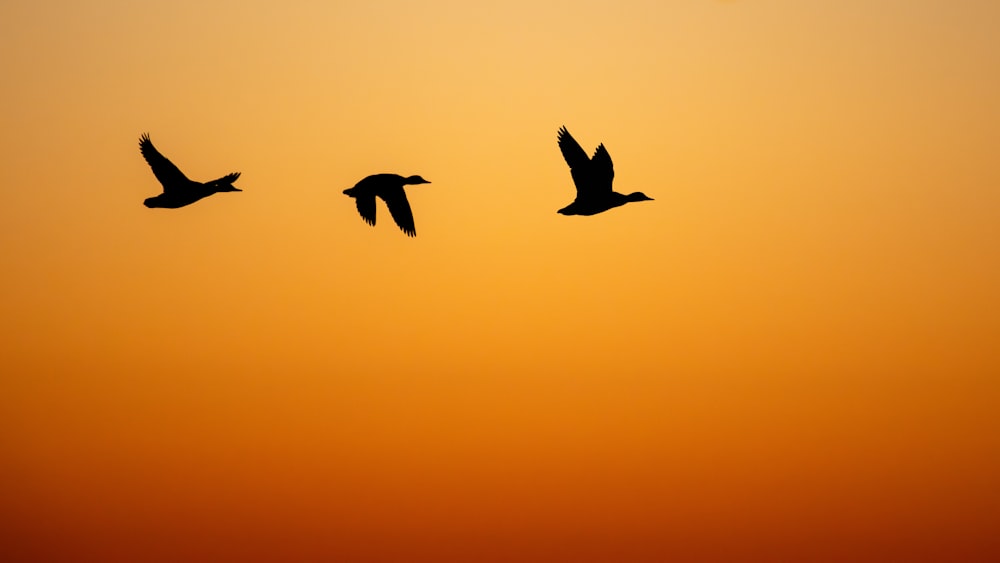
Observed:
{"x":593,"y":177}
{"x":389,"y":187}
{"x":178,"y":190}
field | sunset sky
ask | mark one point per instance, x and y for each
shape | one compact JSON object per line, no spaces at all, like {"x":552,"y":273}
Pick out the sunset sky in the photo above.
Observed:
{"x":790,"y":355}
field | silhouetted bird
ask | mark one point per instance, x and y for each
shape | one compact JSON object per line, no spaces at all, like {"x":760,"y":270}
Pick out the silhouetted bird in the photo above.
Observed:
{"x":593,"y":177}
{"x":178,"y":191}
{"x":389,"y":187}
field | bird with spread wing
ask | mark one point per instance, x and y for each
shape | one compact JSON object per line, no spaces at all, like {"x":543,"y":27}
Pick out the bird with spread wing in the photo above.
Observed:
{"x":178,"y":190}
{"x":389,"y":188}
{"x":593,"y":177}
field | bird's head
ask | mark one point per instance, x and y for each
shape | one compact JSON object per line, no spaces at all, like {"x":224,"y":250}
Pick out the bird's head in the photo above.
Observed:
{"x":151,"y":202}
{"x":415,"y":180}
{"x":638,"y":196}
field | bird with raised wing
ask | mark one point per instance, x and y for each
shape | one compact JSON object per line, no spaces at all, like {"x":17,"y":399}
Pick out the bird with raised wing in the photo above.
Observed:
{"x":178,"y":190}
{"x":593,"y":177}
{"x":388,"y":187}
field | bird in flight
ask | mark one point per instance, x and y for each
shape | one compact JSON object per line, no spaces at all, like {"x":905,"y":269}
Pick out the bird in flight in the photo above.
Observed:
{"x":178,"y":190}
{"x":593,"y":177}
{"x":389,"y":187}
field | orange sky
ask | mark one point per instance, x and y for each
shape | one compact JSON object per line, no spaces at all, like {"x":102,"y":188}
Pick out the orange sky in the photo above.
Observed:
{"x":789,"y":355}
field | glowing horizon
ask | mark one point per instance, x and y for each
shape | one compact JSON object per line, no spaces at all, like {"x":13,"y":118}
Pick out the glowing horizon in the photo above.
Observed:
{"x":789,"y":355}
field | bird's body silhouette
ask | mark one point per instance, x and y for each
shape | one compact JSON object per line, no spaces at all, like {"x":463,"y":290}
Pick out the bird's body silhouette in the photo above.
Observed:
{"x":593,"y":177}
{"x":178,"y":190}
{"x":388,"y":187}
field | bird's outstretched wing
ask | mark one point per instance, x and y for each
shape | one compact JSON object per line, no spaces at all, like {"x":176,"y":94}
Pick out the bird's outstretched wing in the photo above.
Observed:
{"x":580,"y":167}
{"x":602,"y":170}
{"x":169,"y":175}
{"x":572,"y":151}
{"x":366,"y":207}
{"x":399,"y":208}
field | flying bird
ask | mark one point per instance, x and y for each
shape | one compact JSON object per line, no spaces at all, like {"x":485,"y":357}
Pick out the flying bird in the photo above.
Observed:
{"x":389,"y":187}
{"x":593,"y":177}
{"x":178,"y":190}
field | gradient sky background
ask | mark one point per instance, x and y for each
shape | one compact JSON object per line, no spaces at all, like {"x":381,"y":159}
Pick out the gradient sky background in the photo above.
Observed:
{"x":790,"y":355}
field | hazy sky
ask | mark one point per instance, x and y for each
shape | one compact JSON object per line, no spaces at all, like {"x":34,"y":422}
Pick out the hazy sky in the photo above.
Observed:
{"x":790,"y":355}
